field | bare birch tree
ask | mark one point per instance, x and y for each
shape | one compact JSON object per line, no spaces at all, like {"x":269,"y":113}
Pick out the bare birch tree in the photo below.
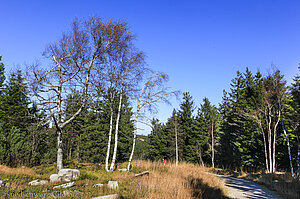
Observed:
{"x":153,"y":91}
{"x":130,"y":63}
{"x":74,"y":60}
{"x":267,"y":114}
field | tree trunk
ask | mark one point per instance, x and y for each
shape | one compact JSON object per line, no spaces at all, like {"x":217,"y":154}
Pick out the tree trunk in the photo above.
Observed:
{"x":289,"y":152}
{"x":116,"y":134}
{"x":270,"y":141}
{"x":176,"y":140}
{"x":288,"y":141}
{"x":109,"y":139}
{"x":59,"y":151}
{"x":133,"y":143}
{"x":266,"y":152}
{"x":298,"y":160}
{"x":212,"y":145}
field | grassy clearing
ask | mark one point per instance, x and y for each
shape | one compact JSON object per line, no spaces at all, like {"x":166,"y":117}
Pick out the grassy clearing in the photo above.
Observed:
{"x":280,"y":182}
{"x":164,"y":181}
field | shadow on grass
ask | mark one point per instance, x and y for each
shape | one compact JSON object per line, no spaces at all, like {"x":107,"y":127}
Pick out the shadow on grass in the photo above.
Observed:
{"x":202,"y":190}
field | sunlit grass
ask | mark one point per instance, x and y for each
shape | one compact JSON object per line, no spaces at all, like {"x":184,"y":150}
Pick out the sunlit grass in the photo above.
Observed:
{"x":164,"y":181}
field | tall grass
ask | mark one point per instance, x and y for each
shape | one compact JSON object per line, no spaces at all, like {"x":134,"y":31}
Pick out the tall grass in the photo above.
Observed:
{"x":164,"y":181}
{"x":183,"y":181}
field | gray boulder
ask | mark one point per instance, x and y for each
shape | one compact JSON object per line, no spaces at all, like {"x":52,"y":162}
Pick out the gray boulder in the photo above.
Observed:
{"x":113,"y":196}
{"x":55,"y":178}
{"x":3,"y":182}
{"x":38,"y":182}
{"x":113,"y":185}
{"x":69,"y":174}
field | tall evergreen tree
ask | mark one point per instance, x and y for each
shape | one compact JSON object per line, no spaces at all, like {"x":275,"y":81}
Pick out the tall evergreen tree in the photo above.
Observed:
{"x":186,"y":122}
{"x":15,"y":120}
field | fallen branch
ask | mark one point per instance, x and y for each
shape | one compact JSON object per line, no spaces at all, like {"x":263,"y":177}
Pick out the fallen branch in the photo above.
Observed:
{"x":141,"y":174}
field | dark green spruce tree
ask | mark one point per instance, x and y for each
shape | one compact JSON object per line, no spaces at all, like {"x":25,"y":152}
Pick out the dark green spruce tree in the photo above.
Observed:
{"x":189,"y":136}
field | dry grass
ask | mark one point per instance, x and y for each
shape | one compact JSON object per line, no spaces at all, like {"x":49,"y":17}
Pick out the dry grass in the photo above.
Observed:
{"x":164,"y":181}
{"x":17,"y":171}
{"x":182,"y":181}
{"x":281,"y":183}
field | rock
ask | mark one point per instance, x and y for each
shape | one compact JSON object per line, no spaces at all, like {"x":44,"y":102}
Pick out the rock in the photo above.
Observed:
{"x":123,"y":169}
{"x":98,"y":185}
{"x":55,"y":178}
{"x":72,"y":193}
{"x":69,"y":174}
{"x":38,"y":182}
{"x":113,"y":196}
{"x":113,"y":185}
{"x":67,"y":185}
{"x":3,"y":182}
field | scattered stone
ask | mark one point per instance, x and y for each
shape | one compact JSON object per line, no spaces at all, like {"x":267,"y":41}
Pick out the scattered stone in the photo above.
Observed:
{"x":55,"y":178}
{"x":72,"y":193}
{"x":67,"y":185}
{"x":141,"y":174}
{"x":123,"y":169}
{"x":113,"y":196}
{"x":98,"y":185}
{"x":113,"y":185}
{"x":69,"y":174}
{"x":38,"y":182}
{"x":3,"y":182}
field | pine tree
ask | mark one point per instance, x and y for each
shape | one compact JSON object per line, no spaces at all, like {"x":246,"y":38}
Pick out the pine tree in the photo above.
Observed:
{"x":158,"y":144}
{"x":188,"y":135}
{"x":15,"y":120}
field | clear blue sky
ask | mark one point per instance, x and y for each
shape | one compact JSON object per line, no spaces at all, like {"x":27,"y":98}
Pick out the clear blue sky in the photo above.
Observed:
{"x":200,"y":44}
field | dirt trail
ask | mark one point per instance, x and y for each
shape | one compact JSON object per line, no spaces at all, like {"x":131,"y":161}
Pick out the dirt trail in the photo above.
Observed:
{"x":238,"y":188}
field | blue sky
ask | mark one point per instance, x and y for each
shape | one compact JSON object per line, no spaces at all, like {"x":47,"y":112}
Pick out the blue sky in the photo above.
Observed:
{"x":200,"y":44}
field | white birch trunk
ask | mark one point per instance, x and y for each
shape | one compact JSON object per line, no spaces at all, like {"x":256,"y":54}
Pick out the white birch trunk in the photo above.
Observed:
{"x":270,"y":141}
{"x":212,"y":146}
{"x":274,"y":141}
{"x":265,"y":147}
{"x":298,"y":160}
{"x":116,"y":134}
{"x":287,"y":141}
{"x":176,"y":141}
{"x":109,"y":139}
{"x":134,"y":140}
{"x":59,"y":151}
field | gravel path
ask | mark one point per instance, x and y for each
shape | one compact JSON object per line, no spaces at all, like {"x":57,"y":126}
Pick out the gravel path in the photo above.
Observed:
{"x":238,"y":188}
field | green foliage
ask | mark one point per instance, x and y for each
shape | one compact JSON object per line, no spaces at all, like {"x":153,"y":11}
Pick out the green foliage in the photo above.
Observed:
{"x":186,"y":122}
{"x":157,"y":148}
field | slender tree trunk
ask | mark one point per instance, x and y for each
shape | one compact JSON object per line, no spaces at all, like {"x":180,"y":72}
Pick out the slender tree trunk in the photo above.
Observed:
{"x":274,"y":140}
{"x":109,"y":139}
{"x":176,"y":141}
{"x":116,"y":133}
{"x":212,"y":145}
{"x":298,"y":159}
{"x":59,"y":150}
{"x":200,"y":156}
{"x":266,"y":152}
{"x":58,"y":122}
{"x":287,"y":140}
{"x":270,"y":141}
{"x":134,"y":140}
